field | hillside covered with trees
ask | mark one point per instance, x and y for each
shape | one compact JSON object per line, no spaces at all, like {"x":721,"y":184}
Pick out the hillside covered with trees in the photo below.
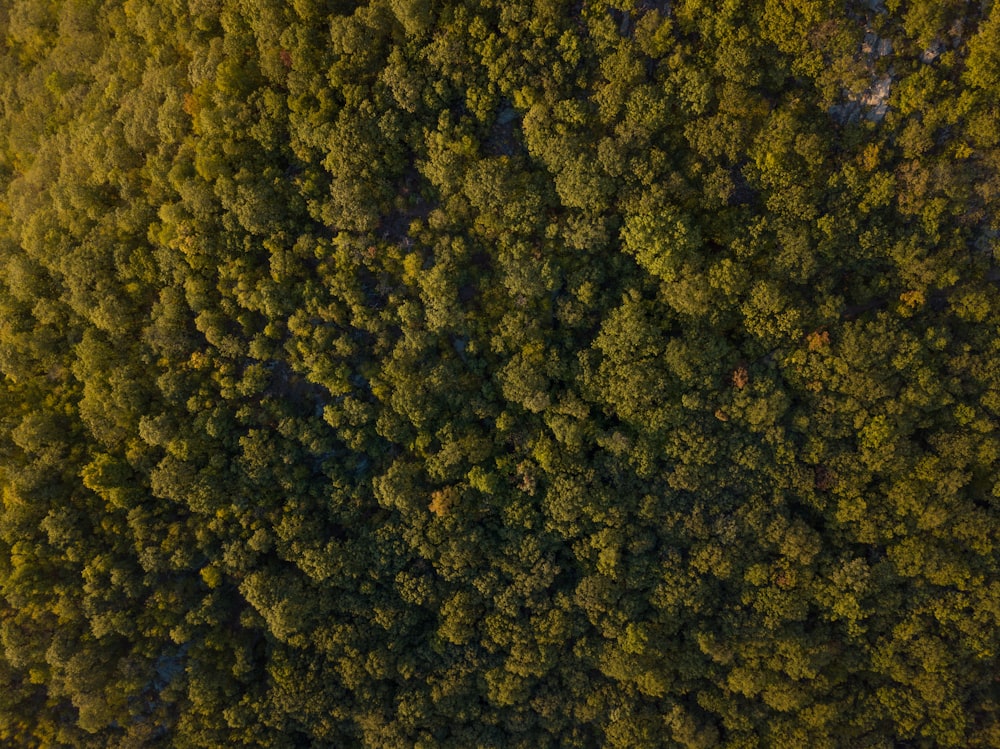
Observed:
{"x":512,"y":374}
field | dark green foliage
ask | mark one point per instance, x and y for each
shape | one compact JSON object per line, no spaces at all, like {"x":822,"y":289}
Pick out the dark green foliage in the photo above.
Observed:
{"x":407,"y":374}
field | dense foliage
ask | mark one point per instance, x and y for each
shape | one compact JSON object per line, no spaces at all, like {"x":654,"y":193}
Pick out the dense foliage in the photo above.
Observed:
{"x":499,"y":374}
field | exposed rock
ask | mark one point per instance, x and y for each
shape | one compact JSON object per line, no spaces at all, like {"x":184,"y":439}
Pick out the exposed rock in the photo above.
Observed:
{"x":742,"y":193}
{"x":876,"y":99}
{"x":502,"y":140}
{"x":507,"y":115}
{"x":873,"y":103}
{"x":932,"y":53}
{"x":624,"y":20}
{"x":957,"y":32}
{"x":625,"y":28}
{"x":849,"y":111}
{"x":875,"y":47}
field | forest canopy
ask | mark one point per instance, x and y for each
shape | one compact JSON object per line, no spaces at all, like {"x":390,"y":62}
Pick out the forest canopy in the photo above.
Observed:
{"x":499,"y":374}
